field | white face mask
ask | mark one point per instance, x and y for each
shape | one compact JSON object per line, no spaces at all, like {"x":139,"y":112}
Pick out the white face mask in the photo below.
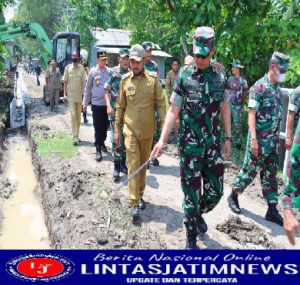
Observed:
{"x":280,"y":77}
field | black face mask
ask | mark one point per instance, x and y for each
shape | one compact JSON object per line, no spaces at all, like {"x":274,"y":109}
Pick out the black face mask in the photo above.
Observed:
{"x":85,"y":64}
{"x":74,"y":59}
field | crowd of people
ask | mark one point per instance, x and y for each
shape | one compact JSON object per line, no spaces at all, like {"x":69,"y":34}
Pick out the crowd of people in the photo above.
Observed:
{"x":129,"y":98}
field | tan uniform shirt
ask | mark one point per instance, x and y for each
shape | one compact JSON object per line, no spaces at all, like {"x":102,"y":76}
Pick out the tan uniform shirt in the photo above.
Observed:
{"x":53,"y":77}
{"x":136,"y":104}
{"x":170,"y":80}
{"x":75,"y":76}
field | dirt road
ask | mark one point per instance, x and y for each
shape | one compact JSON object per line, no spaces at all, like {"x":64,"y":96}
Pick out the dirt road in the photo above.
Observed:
{"x":85,"y":209}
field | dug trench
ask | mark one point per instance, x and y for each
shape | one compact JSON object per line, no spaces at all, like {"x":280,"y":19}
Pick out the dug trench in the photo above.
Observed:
{"x":84,"y":208}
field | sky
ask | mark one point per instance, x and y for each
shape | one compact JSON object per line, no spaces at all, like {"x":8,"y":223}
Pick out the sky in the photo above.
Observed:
{"x":9,"y":13}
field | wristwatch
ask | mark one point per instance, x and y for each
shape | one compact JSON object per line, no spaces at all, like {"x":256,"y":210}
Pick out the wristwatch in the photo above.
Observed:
{"x":228,"y":139}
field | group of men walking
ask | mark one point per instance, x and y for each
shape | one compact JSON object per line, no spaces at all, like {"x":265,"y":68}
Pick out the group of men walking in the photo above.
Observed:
{"x":129,"y":98}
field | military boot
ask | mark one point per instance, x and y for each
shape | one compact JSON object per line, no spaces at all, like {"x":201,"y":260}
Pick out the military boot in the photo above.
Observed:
{"x":191,"y":239}
{"x":124,"y":168}
{"x":98,"y":153}
{"x":233,"y":203}
{"x":272,"y":215}
{"x":116,"y":174}
{"x":201,"y":225}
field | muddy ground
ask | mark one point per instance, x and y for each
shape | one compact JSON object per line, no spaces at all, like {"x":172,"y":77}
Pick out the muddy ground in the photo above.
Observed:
{"x":84,"y":208}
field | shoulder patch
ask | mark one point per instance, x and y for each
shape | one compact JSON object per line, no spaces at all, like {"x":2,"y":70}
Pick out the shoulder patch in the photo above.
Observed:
{"x":217,"y":67}
{"x":153,"y":73}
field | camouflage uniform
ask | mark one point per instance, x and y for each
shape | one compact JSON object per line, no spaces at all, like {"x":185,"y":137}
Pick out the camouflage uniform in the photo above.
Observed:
{"x":200,"y":93}
{"x":112,"y":84}
{"x":294,"y":106}
{"x":265,"y":98}
{"x":291,"y":193}
{"x":235,"y":87}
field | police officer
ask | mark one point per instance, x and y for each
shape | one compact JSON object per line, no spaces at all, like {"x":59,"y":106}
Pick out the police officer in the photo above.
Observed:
{"x":74,"y":83}
{"x":94,"y":91}
{"x":53,"y":85}
{"x":237,"y":87}
{"x":291,"y":193}
{"x":171,"y":76}
{"x":111,"y":94}
{"x":151,"y":66}
{"x":140,"y":92}
{"x":264,"y":117}
{"x":198,"y":98}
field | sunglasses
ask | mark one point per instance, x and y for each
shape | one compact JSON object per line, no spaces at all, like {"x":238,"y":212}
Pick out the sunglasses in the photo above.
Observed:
{"x":201,"y":56}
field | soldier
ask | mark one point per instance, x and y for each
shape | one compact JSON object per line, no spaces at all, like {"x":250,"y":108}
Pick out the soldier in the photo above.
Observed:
{"x":87,"y":71}
{"x":111,"y":94}
{"x":94,"y":92}
{"x":198,"y":98}
{"x":140,"y":92}
{"x":53,"y":85}
{"x":237,"y":88}
{"x":151,"y":65}
{"x":171,"y":76}
{"x":74,"y":83}
{"x":291,"y":193}
{"x":293,"y":117}
{"x":265,"y":114}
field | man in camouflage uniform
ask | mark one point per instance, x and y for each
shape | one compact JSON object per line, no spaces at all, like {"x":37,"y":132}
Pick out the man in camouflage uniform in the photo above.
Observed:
{"x":291,"y":193}
{"x":265,"y":114}
{"x":111,"y":94}
{"x":237,"y":89}
{"x":151,"y":66}
{"x":198,"y":98}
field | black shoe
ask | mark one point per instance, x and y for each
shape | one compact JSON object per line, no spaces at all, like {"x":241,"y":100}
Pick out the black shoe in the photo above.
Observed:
{"x":233,"y":203}
{"x":124,"y":168}
{"x":98,"y":156}
{"x":155,"y":162}
{"x":104,"y":148}
{"x":116,"y":174}
{"x":272,"y":215}
{"x":191,"y":240}
{"x":135,"y":213}
{"x":142,"y":204}
{"x":85,"y":120}
{"x":201,"y":225}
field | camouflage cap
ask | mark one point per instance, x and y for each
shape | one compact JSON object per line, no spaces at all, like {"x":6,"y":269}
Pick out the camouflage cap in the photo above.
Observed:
{"x":236,"y":64}
{"x":137,"y":52}
{"x":281,"y":60}
{"x":203,"y":41}
{"x":147,"y":46}
{"x":124,"y":52}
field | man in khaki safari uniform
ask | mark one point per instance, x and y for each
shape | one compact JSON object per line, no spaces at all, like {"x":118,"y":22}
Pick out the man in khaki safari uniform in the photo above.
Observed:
{"x":74,"y":83}
{"x":140,"y":93}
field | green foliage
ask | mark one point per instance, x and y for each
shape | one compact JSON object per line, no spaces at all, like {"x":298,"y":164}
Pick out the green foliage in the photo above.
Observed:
{"x":57,"y":143}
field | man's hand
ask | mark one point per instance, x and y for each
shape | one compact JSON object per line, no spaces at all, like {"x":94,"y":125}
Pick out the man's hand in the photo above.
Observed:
{"x":291,"y":225}
{"x":227,"y":150}
{"x":254,"y":147}
{"x":288,"y":143}
{"x":110,"y":111}
{"x":84,"y":109}
{"x":117,"y":139}
{"x":65,"y":98}
{"x":158,"y":149}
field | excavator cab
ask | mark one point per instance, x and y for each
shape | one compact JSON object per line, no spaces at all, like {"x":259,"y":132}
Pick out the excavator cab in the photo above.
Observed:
{"x":63,"y":46}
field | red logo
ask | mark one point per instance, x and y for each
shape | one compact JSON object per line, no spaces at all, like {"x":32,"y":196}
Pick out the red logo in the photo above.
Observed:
{"x":40,"y":267}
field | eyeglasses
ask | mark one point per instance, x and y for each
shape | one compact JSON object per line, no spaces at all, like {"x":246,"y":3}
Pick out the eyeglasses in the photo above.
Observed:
{"x":201,"y":56}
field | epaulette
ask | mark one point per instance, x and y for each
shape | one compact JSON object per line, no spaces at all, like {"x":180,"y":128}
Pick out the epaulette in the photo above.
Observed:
{"x":153,"y":73}
{"x":126,"y":75}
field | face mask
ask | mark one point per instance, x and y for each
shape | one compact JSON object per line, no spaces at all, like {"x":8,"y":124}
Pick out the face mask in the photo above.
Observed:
{"x":280,"y":77}
{"x":74,"y":59}
{"x":85,"y":64}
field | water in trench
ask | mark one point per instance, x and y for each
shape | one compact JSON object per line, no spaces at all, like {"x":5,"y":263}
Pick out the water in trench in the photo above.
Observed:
{"x":23,"y":225}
